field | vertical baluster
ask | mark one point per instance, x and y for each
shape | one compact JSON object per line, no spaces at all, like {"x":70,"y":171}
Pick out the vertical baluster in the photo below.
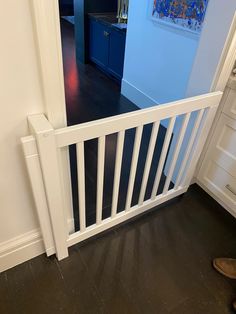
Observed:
{"x":204,"y":128}
{"x":100,"y":178}
{"x":81,"y":184}
{"x":119,"y":154}
{"x":148,"y":163}
{"x":136,"y":148}
{"x":176,"y":152}
{"x":163,"y":157}
{"x":189,"y":147}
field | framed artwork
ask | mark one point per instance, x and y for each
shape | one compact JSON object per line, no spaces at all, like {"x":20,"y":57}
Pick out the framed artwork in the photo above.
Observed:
{"x":183,"y":14}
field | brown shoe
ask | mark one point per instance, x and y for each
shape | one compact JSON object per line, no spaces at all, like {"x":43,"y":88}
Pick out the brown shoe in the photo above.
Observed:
{"x":226,"y":266}
{"x":234,"y":305}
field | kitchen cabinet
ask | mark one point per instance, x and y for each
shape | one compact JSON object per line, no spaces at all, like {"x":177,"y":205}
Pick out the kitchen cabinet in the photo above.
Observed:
{"x":107,"y":46}
{"x":218,"y":171}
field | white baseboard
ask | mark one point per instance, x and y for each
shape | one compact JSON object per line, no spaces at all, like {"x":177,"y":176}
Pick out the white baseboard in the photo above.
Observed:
{"x":135,"y":95}
{"x":20,"y":249}
{"x":25,"y":247}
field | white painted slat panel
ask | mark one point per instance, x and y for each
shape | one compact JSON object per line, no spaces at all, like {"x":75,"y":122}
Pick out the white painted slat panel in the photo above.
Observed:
{"x":208,"y":118}
{"x":148,"y":163}
{"x":85,"y":131}
{"x":189,"y":147}
{"x":163,"y":157}
{"x":136,"y":149}
{"x":119,"y":155}
{"x":81,"y":184}
{"x":100,"y":178}
{"x":176,"y":152}
{"x":64,"y":165}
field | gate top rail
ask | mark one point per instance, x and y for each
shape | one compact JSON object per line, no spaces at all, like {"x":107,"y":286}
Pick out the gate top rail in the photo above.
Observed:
{"x":86,"y":131}
{"x":94,"y":129}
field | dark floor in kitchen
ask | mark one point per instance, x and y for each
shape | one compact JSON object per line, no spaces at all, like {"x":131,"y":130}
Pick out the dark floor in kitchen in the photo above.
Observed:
{"x":159,"y":263}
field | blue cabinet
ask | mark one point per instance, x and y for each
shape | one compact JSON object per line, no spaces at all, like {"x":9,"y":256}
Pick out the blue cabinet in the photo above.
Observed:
{"x":99,"y":43}
{"x":66,"y":7}
{"x":117,"y":53}
{"x":107,"y":47}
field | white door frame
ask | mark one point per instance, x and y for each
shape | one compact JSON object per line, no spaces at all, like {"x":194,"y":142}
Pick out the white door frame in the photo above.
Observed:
{"x":48,"y":35}
{"x":46,"y":18}
{"x":227,"y":60}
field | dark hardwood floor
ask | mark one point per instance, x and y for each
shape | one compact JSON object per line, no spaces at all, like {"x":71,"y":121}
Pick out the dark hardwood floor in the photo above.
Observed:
{"x":157,"y":263}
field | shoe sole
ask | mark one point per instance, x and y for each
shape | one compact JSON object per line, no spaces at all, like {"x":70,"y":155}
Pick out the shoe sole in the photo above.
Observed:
{"x":222,"y":272}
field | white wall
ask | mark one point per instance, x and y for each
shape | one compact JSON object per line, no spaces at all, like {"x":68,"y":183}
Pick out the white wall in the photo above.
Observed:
{"x":20,"y":95}
{"x":219,"y":18}
{"x":158,"y":59}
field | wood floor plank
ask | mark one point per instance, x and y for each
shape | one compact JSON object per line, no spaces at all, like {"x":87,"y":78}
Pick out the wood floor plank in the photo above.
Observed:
{"x":79,"y":285}
{"x":6,"y":304}
{"x":160,"y":262}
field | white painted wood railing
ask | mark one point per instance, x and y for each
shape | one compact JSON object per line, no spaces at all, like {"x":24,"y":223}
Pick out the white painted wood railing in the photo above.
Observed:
{"x":46,"y":171}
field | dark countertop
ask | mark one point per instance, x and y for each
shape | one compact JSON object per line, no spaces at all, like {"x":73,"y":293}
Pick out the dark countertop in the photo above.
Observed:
{"x":106,"y":18}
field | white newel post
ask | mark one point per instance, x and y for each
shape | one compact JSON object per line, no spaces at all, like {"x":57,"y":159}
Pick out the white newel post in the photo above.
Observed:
{"x":36,"y":180}
{"x":48,"y":153}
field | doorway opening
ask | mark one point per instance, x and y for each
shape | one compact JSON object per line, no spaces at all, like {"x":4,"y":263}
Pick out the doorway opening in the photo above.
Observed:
{"x":93,"y":43}
{"x":93,"y":92}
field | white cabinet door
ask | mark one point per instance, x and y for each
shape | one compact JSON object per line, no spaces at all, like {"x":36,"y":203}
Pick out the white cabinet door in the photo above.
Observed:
{"x":218,"y":171}
{"x":230,"y":104}
{"x":223,"y":147}
{"x":220,"y":183}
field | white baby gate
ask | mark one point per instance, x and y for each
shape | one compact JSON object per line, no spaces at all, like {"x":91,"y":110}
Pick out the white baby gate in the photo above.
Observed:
{"x":46,"y":153}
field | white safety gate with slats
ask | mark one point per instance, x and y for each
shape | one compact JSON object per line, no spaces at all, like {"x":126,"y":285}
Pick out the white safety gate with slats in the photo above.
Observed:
{"x":43,"y":152}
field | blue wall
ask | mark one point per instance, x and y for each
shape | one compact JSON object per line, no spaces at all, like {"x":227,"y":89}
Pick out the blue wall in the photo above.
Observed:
{"x":158,"y":59}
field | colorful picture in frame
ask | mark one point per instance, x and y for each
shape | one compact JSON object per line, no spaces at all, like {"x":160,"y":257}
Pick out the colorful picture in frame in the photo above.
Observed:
{"x":185,"y":14}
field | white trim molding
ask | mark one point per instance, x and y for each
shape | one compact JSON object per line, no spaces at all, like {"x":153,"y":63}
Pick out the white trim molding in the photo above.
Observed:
{"x":20,"y":249}
{"x":139,"y":98}
{"x":48,"y":39}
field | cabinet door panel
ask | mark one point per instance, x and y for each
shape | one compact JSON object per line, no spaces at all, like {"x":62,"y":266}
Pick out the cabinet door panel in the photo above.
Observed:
{"x":223,"y":151}
{"x":99,"y":43}
{"x":220,"y":183}
{"x":230,"y":104}
{"x":117,"y":53}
